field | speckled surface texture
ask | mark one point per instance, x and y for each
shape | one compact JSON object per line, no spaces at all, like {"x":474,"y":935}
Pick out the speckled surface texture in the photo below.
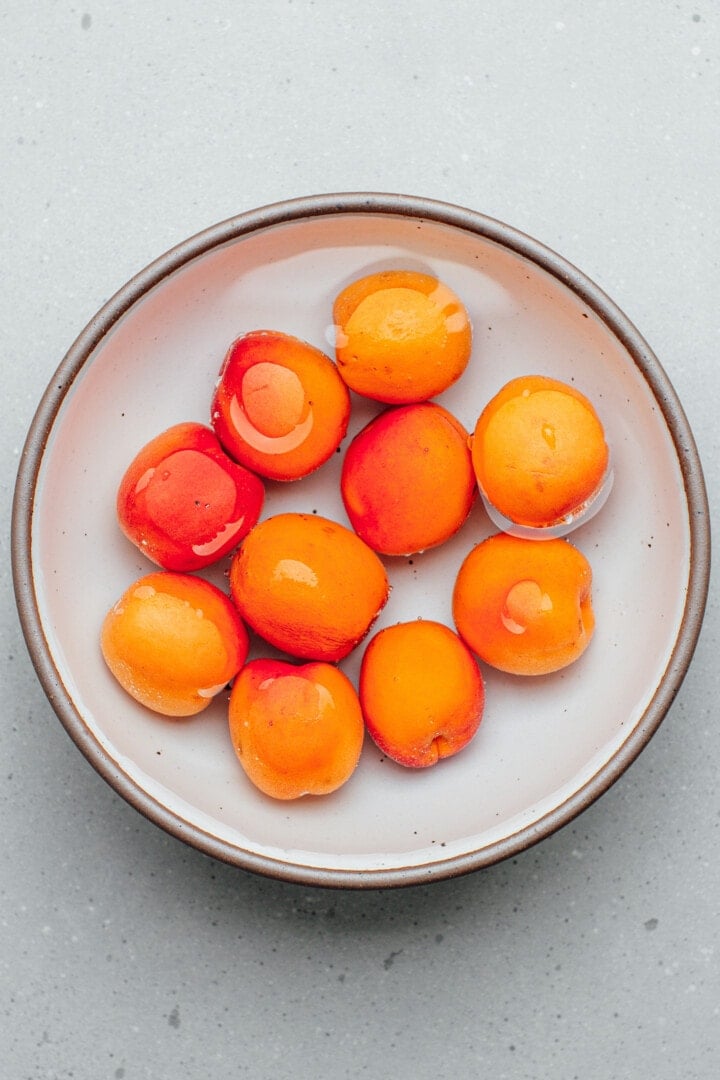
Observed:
{"x":126,"y":128}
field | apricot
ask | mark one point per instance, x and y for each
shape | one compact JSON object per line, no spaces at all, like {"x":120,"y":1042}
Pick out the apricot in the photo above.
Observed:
{"x":296,"y":730}
{"x":308,"y":585}
{"x":407,"y":479}
{"x":539,"y":453}
{"x":524,"y":607}
{"x":173,"y":642}
{"x":421,"y":692}
{"x":401,"y":336}
{"x":280,"y":406}
{"x":183,"y":502}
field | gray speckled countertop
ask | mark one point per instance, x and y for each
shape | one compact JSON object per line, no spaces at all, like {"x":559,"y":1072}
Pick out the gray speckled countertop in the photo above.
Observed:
{"x":126,"y":128}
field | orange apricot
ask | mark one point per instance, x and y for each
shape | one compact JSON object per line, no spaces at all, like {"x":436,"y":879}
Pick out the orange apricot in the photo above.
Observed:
{"x":183,"y":502}
{"x":174,"y":641}
{"x":308,"y":585}
{"x":407,"y":480}
{"x":539,"y":453}
{"x":524,"y":607}
{"x":296,"y":730}
{"x":401,"y":336}
{"x":280,"y":406}
{"x":421,"y":692}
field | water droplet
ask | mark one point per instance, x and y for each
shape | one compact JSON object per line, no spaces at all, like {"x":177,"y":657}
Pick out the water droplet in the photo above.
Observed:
{"x":524,"y":604}
{"x":548,"y":434}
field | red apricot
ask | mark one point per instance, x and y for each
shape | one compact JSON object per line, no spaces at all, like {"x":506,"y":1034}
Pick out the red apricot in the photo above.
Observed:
{"x":183,"y":502}
{"x":280,"y":406}
{"x":407,"y":480}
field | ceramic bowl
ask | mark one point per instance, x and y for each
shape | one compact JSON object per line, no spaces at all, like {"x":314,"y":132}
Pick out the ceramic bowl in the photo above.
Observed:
{"x":547,"y":747}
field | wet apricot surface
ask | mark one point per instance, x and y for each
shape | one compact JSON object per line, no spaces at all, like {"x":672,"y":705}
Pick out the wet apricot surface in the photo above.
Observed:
{"x":174,"y":641}
{"x":401,"y":336}
{"x":280,"y":406}
{"x":296,"y":729}
{"x":421,"y":692}
{"x":407,"y":479}
{"x":183,"y":502}
{"x":539,"y":451}
{"x":308,"y":585}
{"x":525,"y":607}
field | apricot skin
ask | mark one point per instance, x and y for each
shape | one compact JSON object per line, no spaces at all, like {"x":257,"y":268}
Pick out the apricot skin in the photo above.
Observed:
{"x":523,"y":607}
{"x":401,"y":336}
{"x":280,"y":407}
{"x":296,"y":729}
{"x":407,"y":479}
{"x":308,"y":585}
{"x":539,"y":451}
{"x":183,"y":502}
{"x":173,"y":641}
{"x":421,"y":692}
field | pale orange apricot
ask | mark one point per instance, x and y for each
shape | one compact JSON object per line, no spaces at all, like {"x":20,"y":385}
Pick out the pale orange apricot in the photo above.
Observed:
{"x":401,"y":336}
{"x":407,"y":479}
{"x":421,"y":692}
{"x":308,"y":585}
{"x":296,"y":729}
{"x":525,"y":607}
{"x":174,"y":641}
{"x":280,"y":406}
{"x":539,"y":451}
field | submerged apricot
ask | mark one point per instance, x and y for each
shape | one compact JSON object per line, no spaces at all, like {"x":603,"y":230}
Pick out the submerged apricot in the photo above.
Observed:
{"x":407,"y":479}
{"x":401,"y":336}
{"x":539,"y":453}
{"x":173,"y":642}
{"x":524,"y":607}
{"x":421,"y":692}
{"x":308,"y":585}
{"x":296,"y":730}
{"x":280,"y":406}
{"x":183,"y":502}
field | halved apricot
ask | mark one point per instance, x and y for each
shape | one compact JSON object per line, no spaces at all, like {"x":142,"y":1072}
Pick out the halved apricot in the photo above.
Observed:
{"x":401,"y":336}
{"x":308,"y":585}
{"x":407,"y":479}
{"x":183,"y":502}
{"x":539,"y":453}
{"x":173,"y":642}
{"x":421,"y":692}
{"x":524,"y":607}
{"x":296,"y":729}
{"x":280,"y":406}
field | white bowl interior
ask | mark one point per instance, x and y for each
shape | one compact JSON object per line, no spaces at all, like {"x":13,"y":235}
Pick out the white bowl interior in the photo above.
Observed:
{"x":541,"y":740}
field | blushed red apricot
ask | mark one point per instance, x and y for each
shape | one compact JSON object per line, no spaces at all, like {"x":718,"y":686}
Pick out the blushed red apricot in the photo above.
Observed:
{"x":308,"y":585}
{"x":401,"y":336}
{"x":421,"y":692}
{"x":524,"y":607}
{"x":296,"y":730}
{"x":407,"y":479}
{"x":539,"y":452}
{"x":183,"y":502}
{"x":280,"y":406}
{"x":174,"y":641}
